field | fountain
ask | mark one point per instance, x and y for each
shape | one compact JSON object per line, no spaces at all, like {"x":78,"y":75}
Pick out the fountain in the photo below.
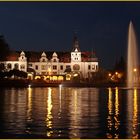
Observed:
{"x":132,"y":58}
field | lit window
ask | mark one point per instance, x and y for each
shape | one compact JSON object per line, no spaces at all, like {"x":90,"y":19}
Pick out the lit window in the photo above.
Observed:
{"x":43,"y":67}
{"x":93,"y":67}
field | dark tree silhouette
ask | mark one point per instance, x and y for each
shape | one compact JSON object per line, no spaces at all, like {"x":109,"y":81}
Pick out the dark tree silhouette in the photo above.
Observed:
{"x":120,"y":65}
{"x":4,"y":48}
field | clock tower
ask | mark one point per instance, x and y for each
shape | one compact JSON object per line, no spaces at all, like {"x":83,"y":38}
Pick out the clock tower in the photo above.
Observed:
{"x":76,"y":53}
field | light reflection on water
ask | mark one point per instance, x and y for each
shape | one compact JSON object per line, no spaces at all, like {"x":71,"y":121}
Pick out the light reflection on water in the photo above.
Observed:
{"x":70,"y":113}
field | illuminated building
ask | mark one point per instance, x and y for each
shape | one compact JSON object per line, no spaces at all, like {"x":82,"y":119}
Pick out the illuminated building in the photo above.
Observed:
{"x":56,"y":65}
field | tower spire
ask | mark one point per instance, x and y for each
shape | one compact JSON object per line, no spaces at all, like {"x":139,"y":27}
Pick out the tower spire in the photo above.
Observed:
{"x":75,"y":43}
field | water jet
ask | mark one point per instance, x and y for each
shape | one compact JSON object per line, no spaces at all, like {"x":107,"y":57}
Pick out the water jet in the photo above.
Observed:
{"x":132,"y":58}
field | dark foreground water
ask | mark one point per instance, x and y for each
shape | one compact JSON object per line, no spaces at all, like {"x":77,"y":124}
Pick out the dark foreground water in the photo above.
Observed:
{"x":69,"y":113}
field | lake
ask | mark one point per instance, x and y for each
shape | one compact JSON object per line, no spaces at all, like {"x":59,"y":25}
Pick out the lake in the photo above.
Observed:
{"x":66,"y":112}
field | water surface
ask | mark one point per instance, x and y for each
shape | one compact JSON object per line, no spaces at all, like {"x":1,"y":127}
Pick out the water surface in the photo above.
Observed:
{"x":69,"y":113}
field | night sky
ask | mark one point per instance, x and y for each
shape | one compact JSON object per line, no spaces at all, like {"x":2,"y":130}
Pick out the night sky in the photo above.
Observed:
{"x":49,"y":26}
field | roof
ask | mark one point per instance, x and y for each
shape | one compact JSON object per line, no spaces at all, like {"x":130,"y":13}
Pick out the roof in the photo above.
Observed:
{"x":13,"y":56}
{"x":64,"y":57}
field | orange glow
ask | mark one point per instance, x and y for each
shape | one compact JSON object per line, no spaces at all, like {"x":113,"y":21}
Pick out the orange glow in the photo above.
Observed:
{"x":116,"y":73}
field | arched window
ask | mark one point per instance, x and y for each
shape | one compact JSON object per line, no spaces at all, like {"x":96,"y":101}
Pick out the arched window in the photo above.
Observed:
{"x":9,"y":66}
{"x":16,"y":66}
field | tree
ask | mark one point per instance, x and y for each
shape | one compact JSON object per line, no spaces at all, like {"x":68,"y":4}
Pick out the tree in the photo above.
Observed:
{"x":4,"y":48}
{"x":120,"y":65}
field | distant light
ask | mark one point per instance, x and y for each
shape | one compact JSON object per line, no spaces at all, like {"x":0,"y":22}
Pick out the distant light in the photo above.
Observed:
{"x":116,"y":73}
{"x":75,"y":75}
{"x":134,"y":69}
{"x":29,"y":86}
{"x":109,"y":74}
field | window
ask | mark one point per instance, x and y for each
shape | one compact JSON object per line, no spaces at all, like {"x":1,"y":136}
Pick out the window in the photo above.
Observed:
{"x":61,"y":67}
{"x":89,"y":67}
{"x":30,"y":65}
{"x":43,"y":60}
{"x":54,"y":60}
{"x":67,"y":66}
{"x":22,"y":66}
{"x":9,"y":66}
{"x":16,"y":66}
{"x":36,"y":67}
{"x":96,"y":67}
{"x":93,"y":67}
{"x":43,"y":67}
{"x":54,"y":67}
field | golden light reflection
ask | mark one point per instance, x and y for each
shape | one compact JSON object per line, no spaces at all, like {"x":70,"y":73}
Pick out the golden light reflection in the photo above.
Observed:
{"x":110,"y":107}
{"x":76,"y":114}
{"x":135,"y":116}
{"x":29,"y":110}
{"x":49,"y":113}
{"x":113,"y":114}
{"x":60,"y":90}
{"x":116,"y":117}
{"x":75,"y":101}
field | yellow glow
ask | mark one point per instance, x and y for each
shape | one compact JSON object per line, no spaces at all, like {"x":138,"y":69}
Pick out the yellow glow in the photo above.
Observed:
{"x":116,"y":73}
{"x":49,"y":71}
{"x":109,"y":74}
{"x":135,"y":115}
{"x":110,"y":106}
{"x":29,"y":103}
{"x":60,"y":78}
{"x":68,"y":77}
{"x":49,"y":112}
{"x":134,"y":69}
{"x":75,"y":75}
{"x":37,"y":77}
{"x":116,"y":118}
{"x":54,"y":78}
{"x":116,"y":102}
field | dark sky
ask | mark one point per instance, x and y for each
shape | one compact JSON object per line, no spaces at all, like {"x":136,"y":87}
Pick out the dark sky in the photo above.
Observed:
{"x":49,"y":26}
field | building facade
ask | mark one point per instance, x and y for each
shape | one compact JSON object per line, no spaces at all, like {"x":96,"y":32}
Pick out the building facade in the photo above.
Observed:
{"x":74,"y":64}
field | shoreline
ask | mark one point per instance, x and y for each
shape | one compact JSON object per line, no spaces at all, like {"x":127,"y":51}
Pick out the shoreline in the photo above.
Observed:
{"x":35,"y":83}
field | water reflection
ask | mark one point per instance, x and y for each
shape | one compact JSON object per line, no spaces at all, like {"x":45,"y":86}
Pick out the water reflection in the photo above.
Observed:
{"x":49,"y":113}
{"x":132,"y":113}
{"x":71,"y":112}
{"x":29,"y":104}
{"x":76,"y":113}
{"x":135,"y":116}
{"x":113,"y":121}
